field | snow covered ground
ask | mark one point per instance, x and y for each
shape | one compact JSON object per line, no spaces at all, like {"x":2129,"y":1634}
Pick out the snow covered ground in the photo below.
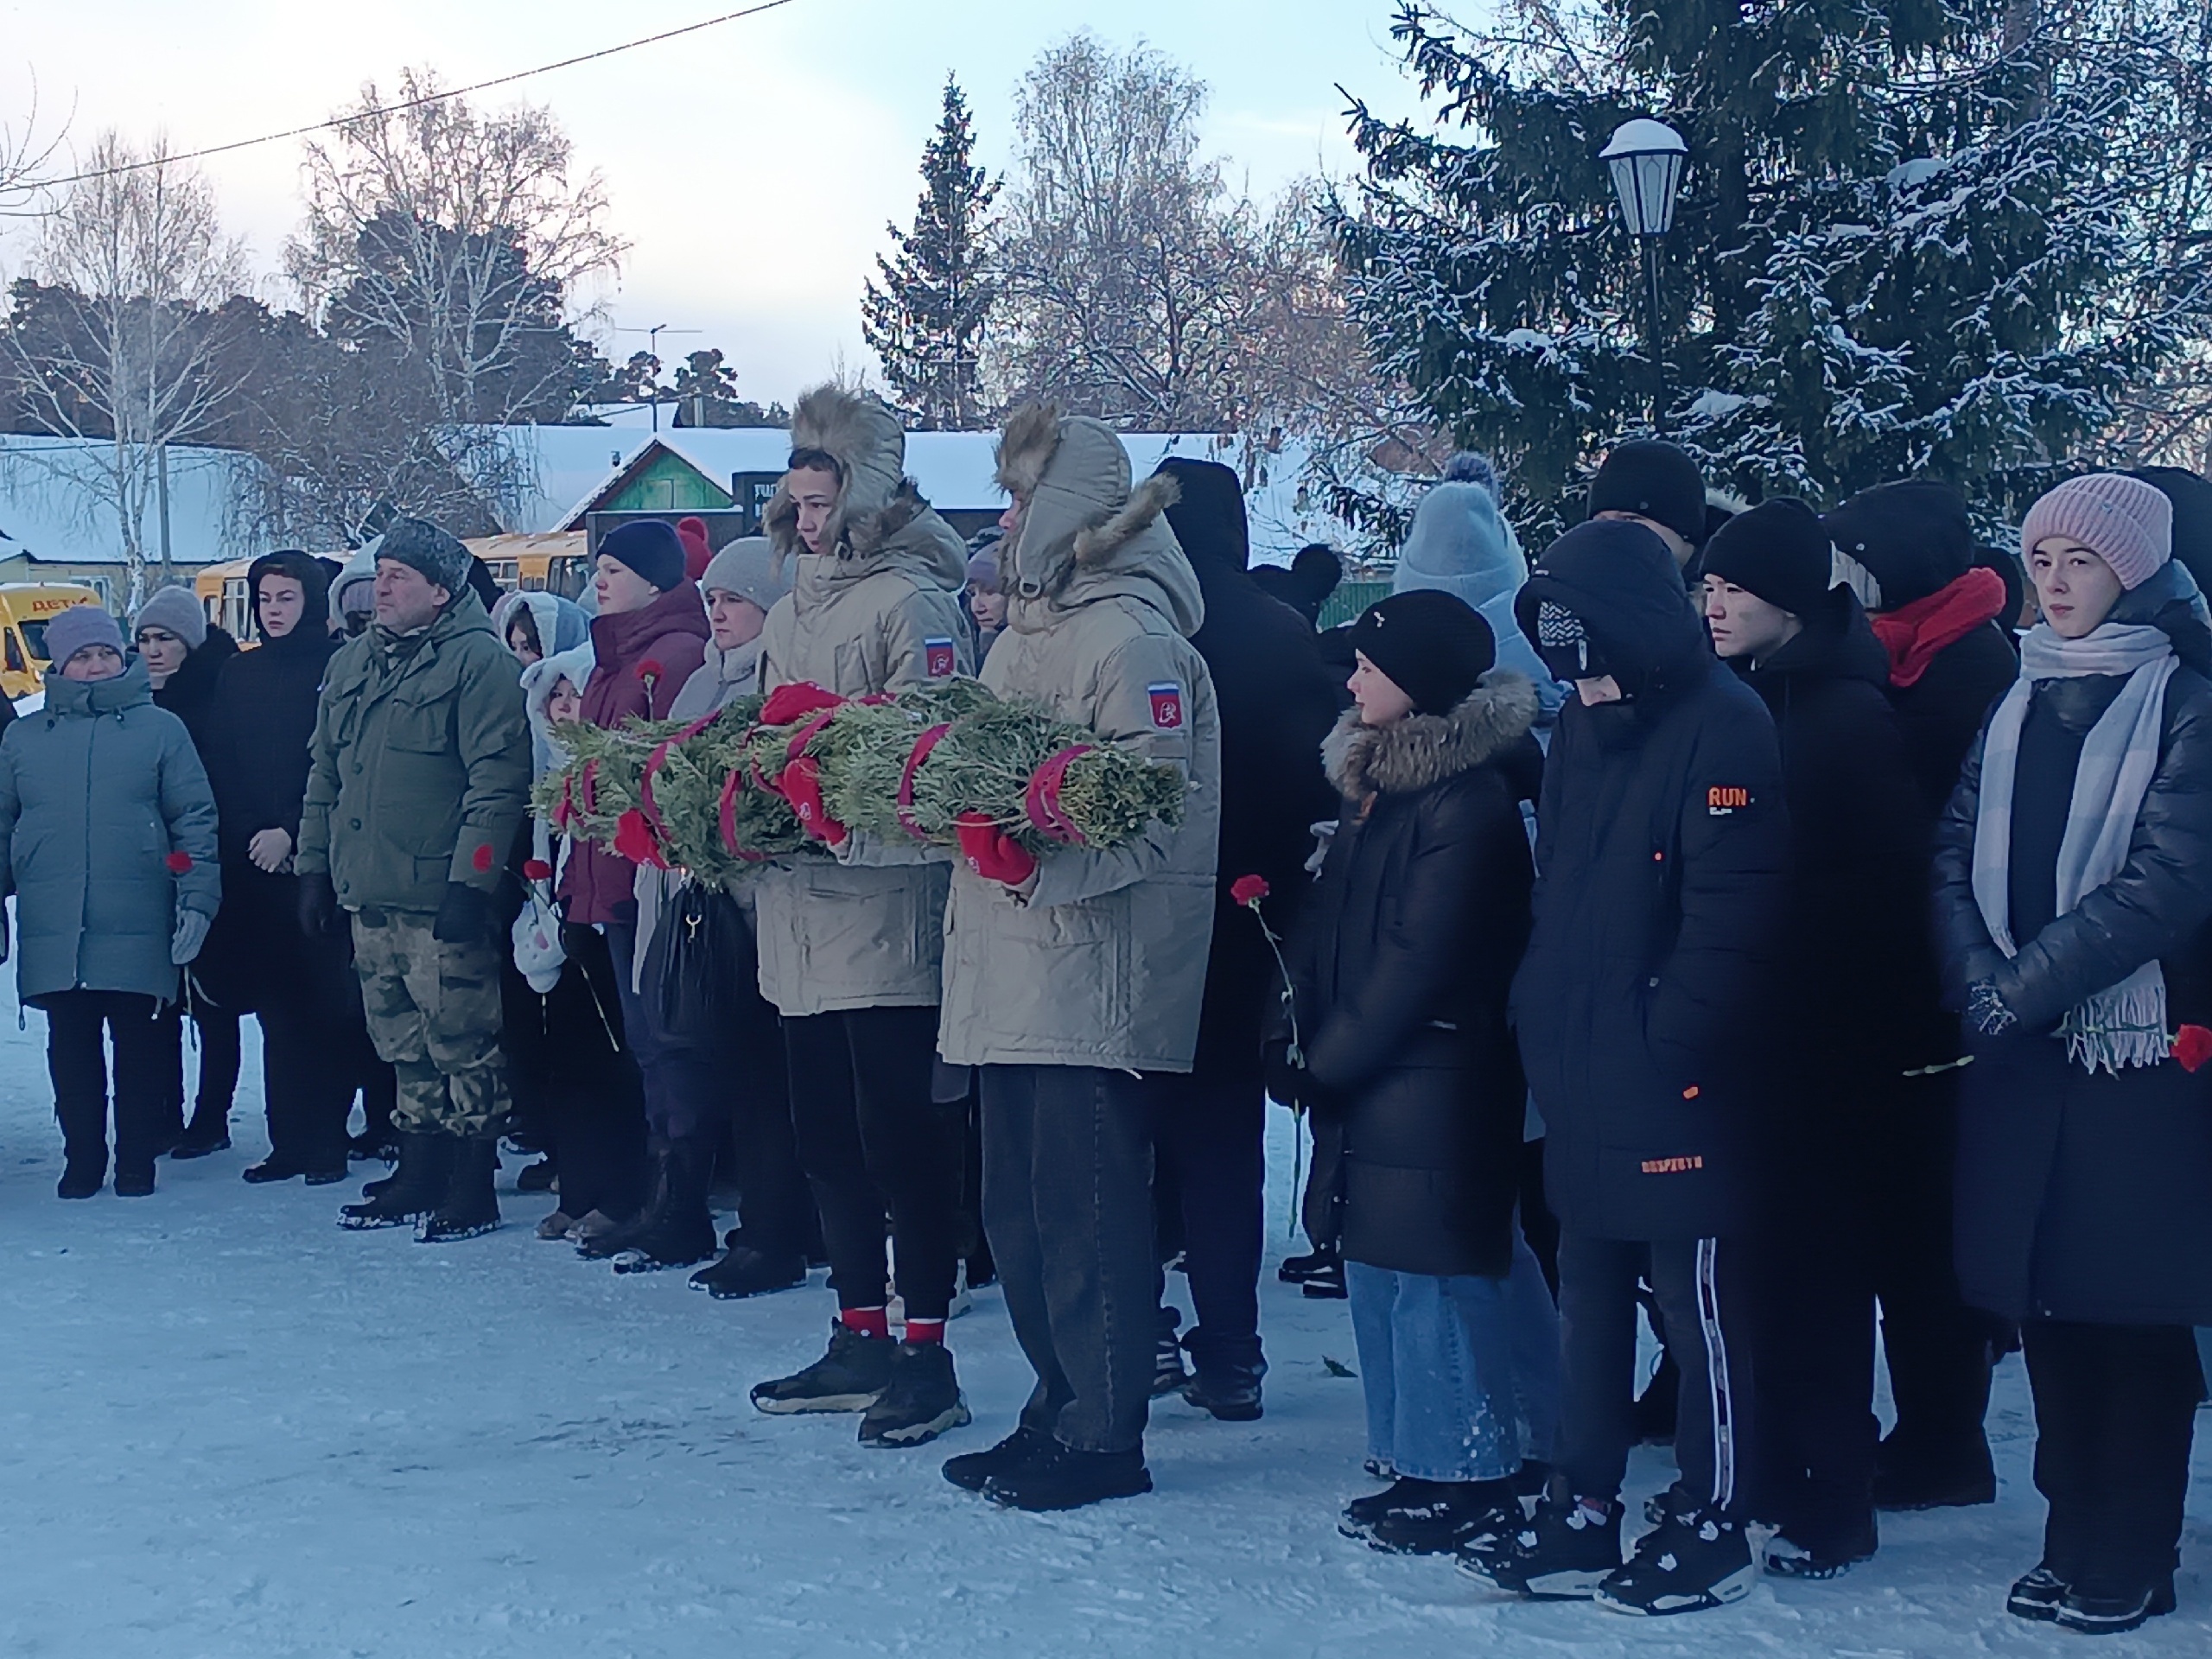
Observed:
{"x":228,"y":1429}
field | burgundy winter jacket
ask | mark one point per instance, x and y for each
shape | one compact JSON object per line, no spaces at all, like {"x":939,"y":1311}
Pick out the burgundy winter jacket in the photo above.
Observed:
{"x":640,"y":661}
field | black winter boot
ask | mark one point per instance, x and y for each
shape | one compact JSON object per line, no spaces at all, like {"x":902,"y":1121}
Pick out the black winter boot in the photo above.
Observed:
{"x":632,"y":1233}
{"x":470,"y":1206}
{"x":851,"y":1377}
{"x":920,"y":1401}
{"x":1064,"y":1478}
{"x":745,"y":1272}
{"x":208,"y":1132}
{"x":409,"y":1192}
{"x":683,"y":1230}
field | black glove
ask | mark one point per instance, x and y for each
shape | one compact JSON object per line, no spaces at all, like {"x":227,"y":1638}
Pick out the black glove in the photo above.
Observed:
{"x":1285,"y":1083}
{"x":318,"y":904}
{"x":1986,"y":1009}
{"x":465,"y":917}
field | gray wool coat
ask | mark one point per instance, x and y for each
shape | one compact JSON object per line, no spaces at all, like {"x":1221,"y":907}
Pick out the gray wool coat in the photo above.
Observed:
{"x":102,"y":798}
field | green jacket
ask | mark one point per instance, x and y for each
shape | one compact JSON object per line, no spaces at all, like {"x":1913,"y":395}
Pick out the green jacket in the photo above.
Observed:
{"x":103,"y":781}
{"x":421,"y":771}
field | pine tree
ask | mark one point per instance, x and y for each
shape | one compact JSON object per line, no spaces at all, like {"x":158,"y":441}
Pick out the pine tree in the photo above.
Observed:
{"x":1921,"y":237}
{"x":925,"y":321}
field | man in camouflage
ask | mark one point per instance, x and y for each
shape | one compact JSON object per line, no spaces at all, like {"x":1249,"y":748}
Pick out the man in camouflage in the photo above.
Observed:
{"x":419,"y":785}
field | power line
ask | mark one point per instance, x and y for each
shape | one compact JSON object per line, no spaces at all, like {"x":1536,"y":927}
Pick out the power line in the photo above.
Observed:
{"x":422,"y":102}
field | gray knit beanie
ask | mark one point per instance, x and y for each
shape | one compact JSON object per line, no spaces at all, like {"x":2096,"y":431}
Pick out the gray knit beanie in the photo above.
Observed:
{"x":177,"y":611}
{"x":747,"y":569}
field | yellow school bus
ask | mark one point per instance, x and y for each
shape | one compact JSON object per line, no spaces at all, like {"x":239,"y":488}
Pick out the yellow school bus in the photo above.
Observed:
{"x":25,"y":610}
{"x":220,"y":589}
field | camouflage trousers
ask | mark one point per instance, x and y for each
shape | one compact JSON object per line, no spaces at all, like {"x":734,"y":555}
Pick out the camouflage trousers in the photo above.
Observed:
{"x":434,"y":1016}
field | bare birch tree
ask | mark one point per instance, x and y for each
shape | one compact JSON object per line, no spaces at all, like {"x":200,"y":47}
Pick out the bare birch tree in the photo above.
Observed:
{"x":118,"y":340}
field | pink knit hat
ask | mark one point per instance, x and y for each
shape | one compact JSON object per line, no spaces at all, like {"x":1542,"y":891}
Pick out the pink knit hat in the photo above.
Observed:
{"x":2129,"y":524}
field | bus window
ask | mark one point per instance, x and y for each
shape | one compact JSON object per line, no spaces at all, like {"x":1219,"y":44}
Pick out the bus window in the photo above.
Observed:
{"x":15,"y":663}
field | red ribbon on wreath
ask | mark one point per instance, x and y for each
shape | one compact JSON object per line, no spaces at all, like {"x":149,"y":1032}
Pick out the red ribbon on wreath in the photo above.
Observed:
{"x":919,"y":752}
{"x":1043,"y":801}
{"x":654,"y":763}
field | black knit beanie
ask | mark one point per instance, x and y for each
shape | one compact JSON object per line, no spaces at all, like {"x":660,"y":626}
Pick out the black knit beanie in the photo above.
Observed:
{"x":648,"y":546}
{"x":1654,"y":480}
{"x":1778,"y":551}
{"x":1432,"y":644}
{"x":1913,"y":538}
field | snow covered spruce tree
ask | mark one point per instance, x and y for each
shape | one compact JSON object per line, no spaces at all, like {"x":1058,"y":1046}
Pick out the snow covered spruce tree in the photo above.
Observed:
{"x":925,"y":323}
{"x":1926,"y":236}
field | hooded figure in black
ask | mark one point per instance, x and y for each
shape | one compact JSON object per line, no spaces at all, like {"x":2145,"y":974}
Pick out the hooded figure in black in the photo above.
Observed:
{"x":1278,"y":700}
{"x":1662,"y":868}
{"x":256,"y":752}
{"x":171,"y":619}
{"x":1864,"y":1024}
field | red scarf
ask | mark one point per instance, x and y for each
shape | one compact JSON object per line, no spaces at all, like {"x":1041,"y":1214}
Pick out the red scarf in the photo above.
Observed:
{"x":1913,"y":634}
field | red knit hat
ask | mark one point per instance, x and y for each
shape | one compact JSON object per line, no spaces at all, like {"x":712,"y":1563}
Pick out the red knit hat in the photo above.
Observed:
{"x":698,"y":551}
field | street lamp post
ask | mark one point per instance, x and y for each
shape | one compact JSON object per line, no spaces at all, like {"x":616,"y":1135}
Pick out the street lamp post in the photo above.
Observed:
{"x":1646,"y":158}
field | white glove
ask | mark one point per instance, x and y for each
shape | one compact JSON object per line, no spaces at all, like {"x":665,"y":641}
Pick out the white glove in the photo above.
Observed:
{"x":191,"y":934}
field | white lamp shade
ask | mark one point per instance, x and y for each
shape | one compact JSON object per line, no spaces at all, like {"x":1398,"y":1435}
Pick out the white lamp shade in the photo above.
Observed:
{"x":1646,"y":158}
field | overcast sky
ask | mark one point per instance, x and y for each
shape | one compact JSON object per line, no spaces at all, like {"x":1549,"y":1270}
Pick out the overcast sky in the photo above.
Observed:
{"x":752,"y":166}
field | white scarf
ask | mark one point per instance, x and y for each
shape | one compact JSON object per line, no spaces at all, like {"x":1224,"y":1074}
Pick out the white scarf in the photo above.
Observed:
{"x":2123,"y":1024}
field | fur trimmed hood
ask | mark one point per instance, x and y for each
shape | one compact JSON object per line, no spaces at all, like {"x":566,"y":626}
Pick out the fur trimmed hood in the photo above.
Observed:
{"x":1423,"y":750}
{"x":1085,"y":534}
{"x":880,"y":514}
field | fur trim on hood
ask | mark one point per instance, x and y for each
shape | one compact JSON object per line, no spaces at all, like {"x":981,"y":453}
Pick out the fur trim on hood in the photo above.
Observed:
{"x":1423,"y":750}
{"x":1083,"y":526}
{"x":875,"y":499}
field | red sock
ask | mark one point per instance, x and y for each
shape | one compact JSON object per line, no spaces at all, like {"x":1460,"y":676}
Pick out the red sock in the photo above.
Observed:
{"x":925,"y":1330}
{"x":868,"y":1321}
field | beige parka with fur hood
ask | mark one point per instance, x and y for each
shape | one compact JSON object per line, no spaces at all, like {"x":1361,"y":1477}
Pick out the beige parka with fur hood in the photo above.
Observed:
{"x":1104,"y":964}
{"x":878,"y":611}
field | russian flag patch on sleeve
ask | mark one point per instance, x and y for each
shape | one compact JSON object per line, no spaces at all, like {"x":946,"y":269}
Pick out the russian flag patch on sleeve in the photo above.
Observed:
{"x":1166,"y":705}
{"x":942,"y":659}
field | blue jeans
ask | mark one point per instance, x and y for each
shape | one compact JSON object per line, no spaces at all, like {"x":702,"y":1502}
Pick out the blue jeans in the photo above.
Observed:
{"x":1461,"y":1373}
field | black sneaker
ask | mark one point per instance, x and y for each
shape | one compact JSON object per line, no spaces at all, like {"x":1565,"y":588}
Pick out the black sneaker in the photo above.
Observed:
{"x":207,"y":1133}
{"x":408,"y":1194}
{"x":972,"y":1471}
{"x":851,"y":1377}
{"x":744,"y":1273}
{"x":133,"y":1183}
{"x":2089,"y":1614}
{"x":1563,"y":1555}
{"x":1298,"y":1269}
{"x":1357,"y":1518}
{"x":1433,"y":1517}
{"x":1697,"y":1561}
{"x":1824,"y":1558}
{"x":2036,"y":1595}
{"x":921,"y":1401}
{"x":1229,"y":1392}
{"x":277,"y":1167}
{"x":1060,"y":1477}
{"x":1325,"y":1285}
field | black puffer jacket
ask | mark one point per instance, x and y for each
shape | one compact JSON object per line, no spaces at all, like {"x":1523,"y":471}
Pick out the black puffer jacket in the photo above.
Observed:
{"x":1661,"y":874}
{"x":1863,"y":1001}
{"x":2083,"y":1196}
{"x":190,"y":693}
{"x":1278,"y":700}
{"x":1403,"y":966}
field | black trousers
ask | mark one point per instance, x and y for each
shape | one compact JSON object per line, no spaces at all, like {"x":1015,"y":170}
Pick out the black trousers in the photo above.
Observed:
{"x":2116,"y":1410}
{"x":1067,"y":1201}
{"x":872,"y":1141}
{"x":775,"y":1206}
{"x":594,"y":1098}
{"x":307,"y":1079}
{"x":1938,"y":1349}
{"x":1701,"y":1291}
{"x":76,"y":1059}
{"x":215,"y":1030}
{"x":1210,"y":1143}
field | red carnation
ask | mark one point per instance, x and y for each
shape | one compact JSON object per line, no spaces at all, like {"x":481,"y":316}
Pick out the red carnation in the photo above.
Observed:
{"x":1249,"y":890}
{"x":179,"y":862}
{"x":482,"y":860}
{"x":537,"y":869}
{"x":2192,"y":1047}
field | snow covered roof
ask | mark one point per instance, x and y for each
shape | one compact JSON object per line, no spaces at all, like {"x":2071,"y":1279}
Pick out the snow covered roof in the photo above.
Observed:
{"x":54,"y":506}
{"x":576,"y":465}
